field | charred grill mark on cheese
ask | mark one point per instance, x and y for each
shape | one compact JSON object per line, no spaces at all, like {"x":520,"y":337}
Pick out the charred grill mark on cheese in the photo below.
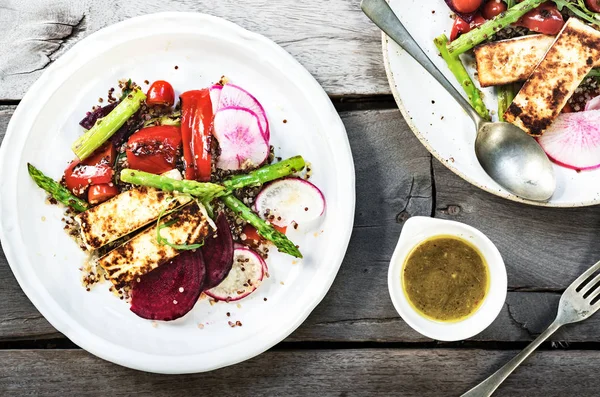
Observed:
{"x":509,"y":61}
{"x":513,"y":60}
{"x":124,"y":214}
{"x":555,"y":79}
{"x":143,"y":253}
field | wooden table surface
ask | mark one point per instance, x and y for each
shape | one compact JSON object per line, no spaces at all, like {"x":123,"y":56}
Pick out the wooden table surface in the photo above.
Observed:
{"x":354,"y":343}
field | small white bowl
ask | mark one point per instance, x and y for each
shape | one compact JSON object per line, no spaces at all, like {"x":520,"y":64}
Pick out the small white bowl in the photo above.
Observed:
{"x":415,"y":231}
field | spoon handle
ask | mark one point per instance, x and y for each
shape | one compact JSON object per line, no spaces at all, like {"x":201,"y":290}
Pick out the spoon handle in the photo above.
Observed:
{"x":382,"y":15}
{"x":488,"y":386}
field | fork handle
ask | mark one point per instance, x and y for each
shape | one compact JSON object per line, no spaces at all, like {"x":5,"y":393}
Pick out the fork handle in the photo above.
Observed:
{"x":488,"y":386}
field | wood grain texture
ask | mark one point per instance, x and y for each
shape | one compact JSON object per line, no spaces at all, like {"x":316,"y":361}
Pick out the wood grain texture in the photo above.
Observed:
{"x":393,"y":183}
{"x":364,"y":372}
{"x":332,"y":39}
{"x":544,"y":248}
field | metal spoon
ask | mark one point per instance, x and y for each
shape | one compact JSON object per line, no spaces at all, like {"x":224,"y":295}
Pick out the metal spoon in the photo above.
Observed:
{"x":509,"y":156}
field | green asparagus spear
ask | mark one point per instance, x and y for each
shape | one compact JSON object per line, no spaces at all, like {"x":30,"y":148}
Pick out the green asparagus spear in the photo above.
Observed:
{"x":458,"y":69}
{"x":506,"y":94}
{"x":107,"y":126}
{"x":201,"y":190}
{"x":264,"y":229}
{"x":266,"y":174}
{"x":56,"y":190}
{"x":478,"y":35}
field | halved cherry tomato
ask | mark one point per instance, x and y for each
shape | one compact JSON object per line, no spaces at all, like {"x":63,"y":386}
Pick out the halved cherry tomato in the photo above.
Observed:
{"x":461,"y":26}
{"x":593,"y":5}
{"x":160,"y":93}
{"x":545,"y":19}
{"x":493,"y":8}
{"x":96,"y":169}
{"x":196,"y":131}
{"x":253,"y":236}
{"x":154,"y":149}
{"x":100,"y":193}
{"x":466,"y":6}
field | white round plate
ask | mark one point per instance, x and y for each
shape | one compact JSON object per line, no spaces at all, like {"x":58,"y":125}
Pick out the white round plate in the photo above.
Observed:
{"x":439,"y":122}
{"x":45,"y":260}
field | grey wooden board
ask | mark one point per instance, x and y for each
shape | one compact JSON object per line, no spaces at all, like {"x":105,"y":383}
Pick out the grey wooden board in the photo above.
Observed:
{"x":332,"y":39}
{"x":545,"y":248}
{"x":394,"y":180}
{"x":364,"y":372}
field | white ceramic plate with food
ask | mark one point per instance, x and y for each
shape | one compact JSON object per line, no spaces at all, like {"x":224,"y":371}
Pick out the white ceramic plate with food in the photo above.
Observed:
{"x":438,"y":121}
{"x":46,"y":261}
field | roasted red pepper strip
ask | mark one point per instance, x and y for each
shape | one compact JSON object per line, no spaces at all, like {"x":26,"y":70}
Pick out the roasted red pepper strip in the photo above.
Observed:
{"x":196,"y":126}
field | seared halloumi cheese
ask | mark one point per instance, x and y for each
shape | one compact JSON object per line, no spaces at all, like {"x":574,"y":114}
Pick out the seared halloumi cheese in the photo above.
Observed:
{"x":126,"y":213}
{"x":512,"y":60}
{"x":143,"y":253}
{"x":555,"y":79}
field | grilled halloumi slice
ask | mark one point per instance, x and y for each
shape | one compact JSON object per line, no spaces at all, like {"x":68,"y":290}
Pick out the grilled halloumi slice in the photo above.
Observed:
{"x":144,"y":253}
{"x":555,"y":79}
{"x":126,"y":213}
{"x":509,"y":61}
{"x":512,"y":60}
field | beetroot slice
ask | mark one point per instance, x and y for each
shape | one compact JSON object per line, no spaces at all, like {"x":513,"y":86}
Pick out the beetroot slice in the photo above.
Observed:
{"x":218,"y":254}
{"x":170,"y":291}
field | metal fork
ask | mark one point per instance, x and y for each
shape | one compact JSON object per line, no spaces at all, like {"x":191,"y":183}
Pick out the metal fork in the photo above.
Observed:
{"x":577,"y":303}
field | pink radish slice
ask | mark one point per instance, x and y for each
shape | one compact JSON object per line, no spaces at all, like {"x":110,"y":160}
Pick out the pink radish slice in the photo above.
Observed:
{"x":241,"y":141}
{"x":290,"y":199}
{"x":246,"y":275}
{"x":235,"y":96}
{"x":593,"y":104}
{"x":573,"y":140}
{"x":215,"y":95}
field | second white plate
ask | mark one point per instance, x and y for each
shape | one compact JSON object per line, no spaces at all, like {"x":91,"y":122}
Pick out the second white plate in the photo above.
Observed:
{"x":439,"y":122}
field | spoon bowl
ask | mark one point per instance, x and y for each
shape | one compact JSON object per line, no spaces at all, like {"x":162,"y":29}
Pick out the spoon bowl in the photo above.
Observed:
{"x":515,"y":160}
{"x":507,"y":154}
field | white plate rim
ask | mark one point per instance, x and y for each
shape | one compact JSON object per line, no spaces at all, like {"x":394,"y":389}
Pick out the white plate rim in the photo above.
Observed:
{"x":500,"y":193}
{"x":42,"y":300}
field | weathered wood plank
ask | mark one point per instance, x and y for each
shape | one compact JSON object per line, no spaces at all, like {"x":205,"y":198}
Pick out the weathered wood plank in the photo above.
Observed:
{"x":544,"y":248}
{"x":388,"y":159}
{"x":386,"y":188}
{"x":365,"y":372}
{"x":332,"y":39}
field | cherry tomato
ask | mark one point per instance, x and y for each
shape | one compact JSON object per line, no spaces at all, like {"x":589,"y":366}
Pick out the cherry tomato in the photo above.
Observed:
{"x":160,"y":93}
{"x":154,"y":149}
{"x":493,"y":8}
{"x":252,"y":235}
{"x":96,"y":169}
{"x":461,"y":26}
{"x":593,"y":5}
{"x":545,"y":19}
{"x":100,"y":193}
{"x":466,"y":6}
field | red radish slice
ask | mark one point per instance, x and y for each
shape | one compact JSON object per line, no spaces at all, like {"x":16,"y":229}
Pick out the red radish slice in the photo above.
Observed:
{"x":215,"y":95}
{"x":170,"y":291}
{"x":218,"y":253}
{"x":240,"y":139}
{"x":235,"y":96}
{"x":290,"y":199}
{"x":573,"y":140}
{"x":246,"y":275}
{"x":593,"y":104}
